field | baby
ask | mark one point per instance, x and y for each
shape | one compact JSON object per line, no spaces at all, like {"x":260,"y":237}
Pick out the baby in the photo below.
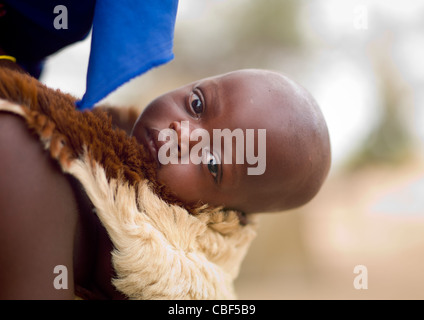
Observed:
{"x":296,"y":150}
{"x":175,"y":208}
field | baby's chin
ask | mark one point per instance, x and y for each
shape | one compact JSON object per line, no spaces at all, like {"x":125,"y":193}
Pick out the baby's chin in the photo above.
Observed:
{"x":163,"y":191}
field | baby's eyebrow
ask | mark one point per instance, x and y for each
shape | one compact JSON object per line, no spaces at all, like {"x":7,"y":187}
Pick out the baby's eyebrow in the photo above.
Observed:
{"x":210,"y":90}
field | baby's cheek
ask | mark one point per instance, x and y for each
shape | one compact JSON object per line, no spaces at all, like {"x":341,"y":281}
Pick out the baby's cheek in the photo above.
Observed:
{"x":183,"y":180}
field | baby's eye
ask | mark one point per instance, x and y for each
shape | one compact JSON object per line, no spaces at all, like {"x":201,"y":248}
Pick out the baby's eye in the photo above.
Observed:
{"x":212,"y":164}
{"x":196,"y":103}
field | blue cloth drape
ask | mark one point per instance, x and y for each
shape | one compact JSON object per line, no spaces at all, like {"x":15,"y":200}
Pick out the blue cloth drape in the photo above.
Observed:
{"x":129,"y":37}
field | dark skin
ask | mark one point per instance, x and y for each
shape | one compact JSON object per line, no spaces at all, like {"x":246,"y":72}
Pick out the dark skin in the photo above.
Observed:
{"x":47,"y":220}
{"x":25,"y":262}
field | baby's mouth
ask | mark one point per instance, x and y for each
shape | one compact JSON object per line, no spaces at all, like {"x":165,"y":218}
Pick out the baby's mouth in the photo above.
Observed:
{"x":150,"y":140}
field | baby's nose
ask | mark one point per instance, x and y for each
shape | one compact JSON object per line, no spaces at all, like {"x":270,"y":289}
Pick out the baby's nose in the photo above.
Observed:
{"x":183,"y":130}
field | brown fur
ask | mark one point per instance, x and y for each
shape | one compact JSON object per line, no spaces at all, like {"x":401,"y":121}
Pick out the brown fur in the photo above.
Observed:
{"x":122,"y":117}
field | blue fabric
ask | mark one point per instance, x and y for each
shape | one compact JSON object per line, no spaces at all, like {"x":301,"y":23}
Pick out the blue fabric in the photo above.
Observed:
{"x":129,"y":37}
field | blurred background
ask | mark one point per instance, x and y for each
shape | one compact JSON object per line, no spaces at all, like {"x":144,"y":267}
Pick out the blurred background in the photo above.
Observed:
{"x":362,"y":61}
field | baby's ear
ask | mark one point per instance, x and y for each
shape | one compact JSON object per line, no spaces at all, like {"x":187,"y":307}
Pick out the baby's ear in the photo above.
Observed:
{"x":122,"y":117}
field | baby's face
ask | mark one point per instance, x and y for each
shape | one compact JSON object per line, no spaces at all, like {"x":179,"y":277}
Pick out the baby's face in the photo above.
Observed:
{"x":251,"y":176}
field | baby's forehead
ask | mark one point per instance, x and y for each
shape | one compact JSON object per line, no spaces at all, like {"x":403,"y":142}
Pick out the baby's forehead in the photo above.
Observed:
{"x":271,"y":79}
{"x":261,"y":86}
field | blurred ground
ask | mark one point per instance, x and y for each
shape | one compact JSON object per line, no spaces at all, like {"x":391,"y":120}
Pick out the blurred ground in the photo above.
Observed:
{"x":364,"y":218}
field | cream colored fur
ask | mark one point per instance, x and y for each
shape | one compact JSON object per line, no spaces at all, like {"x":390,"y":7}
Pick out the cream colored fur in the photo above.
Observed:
{"x":161,"y":251}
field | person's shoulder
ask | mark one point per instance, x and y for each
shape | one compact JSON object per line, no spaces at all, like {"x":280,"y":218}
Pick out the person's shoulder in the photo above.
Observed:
{"x":26,"y":169}
{"x":38,"y":214}
{"x":19,"y":148}
{"x":13,"y":128}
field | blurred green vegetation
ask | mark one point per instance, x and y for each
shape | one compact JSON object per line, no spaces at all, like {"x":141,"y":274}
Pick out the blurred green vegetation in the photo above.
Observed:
{"x":269,"y":24}
{"x":391,"y":141}
{"x":250,"y":35}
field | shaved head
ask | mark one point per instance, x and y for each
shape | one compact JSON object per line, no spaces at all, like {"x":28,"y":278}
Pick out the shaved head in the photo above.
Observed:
{"x":299,"y":147}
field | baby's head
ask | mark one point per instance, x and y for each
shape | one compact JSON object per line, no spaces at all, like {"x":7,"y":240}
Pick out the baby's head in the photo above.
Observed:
{"x":275,"y":169}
